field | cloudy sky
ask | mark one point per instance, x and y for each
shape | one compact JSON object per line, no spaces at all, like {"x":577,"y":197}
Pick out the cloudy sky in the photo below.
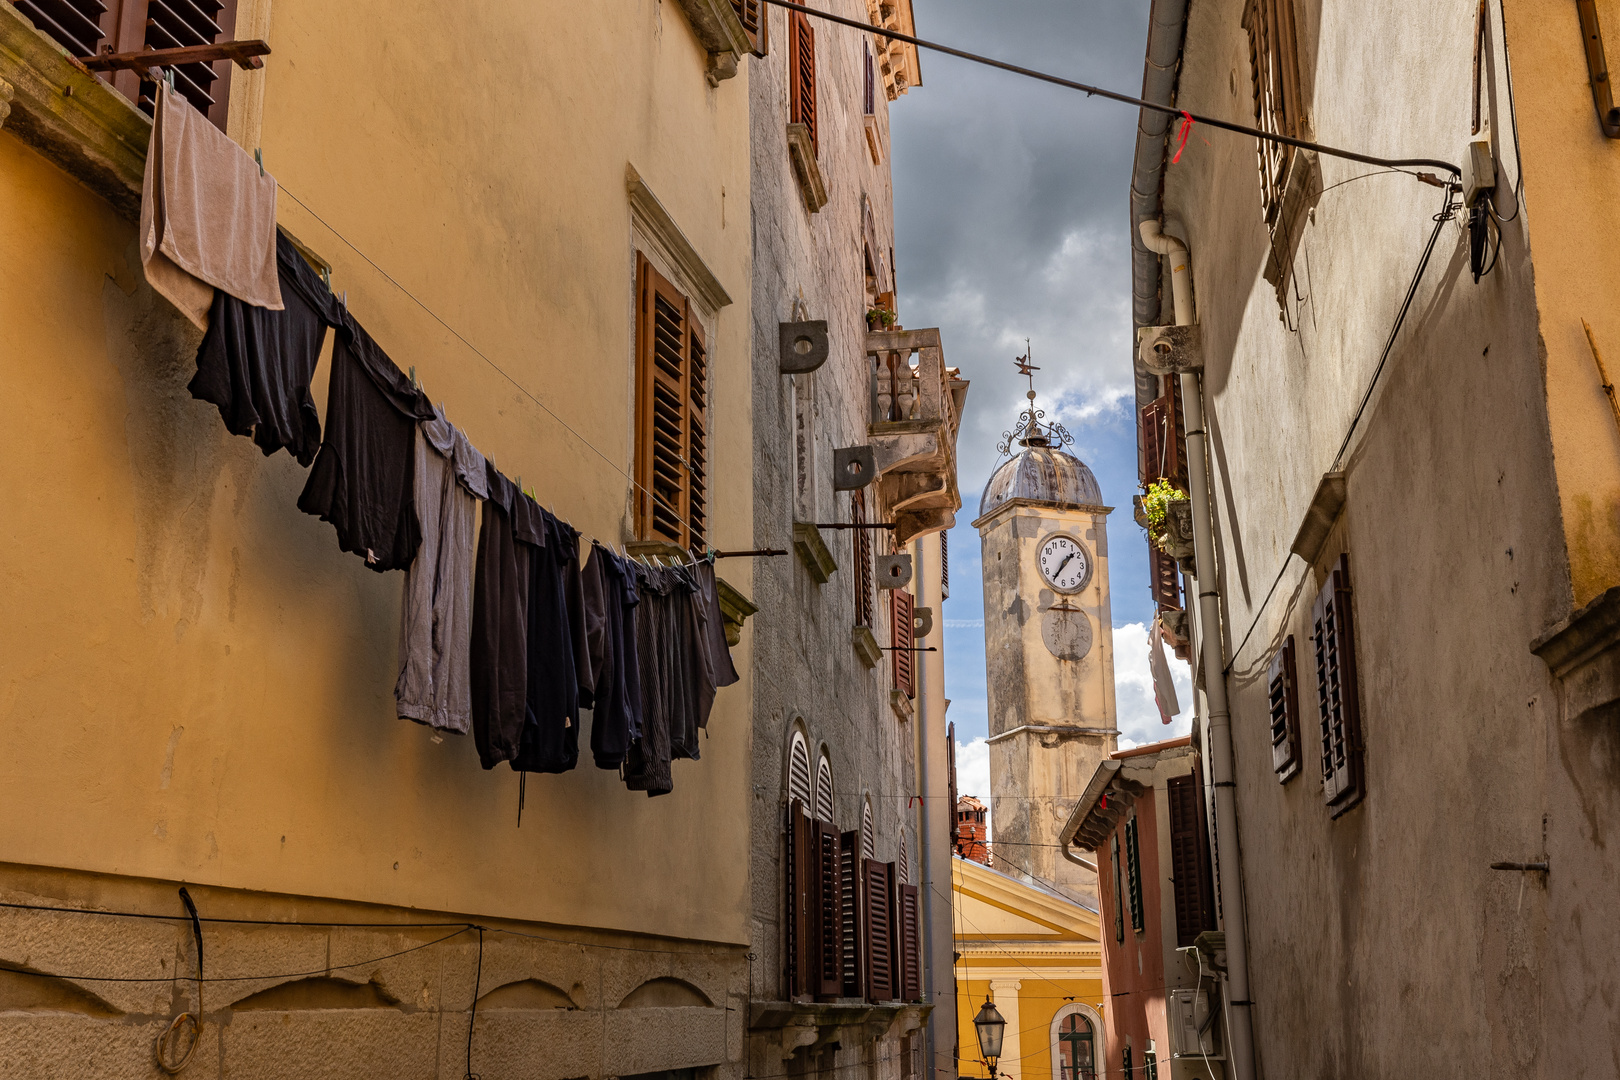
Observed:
{"x":1011,"y":219}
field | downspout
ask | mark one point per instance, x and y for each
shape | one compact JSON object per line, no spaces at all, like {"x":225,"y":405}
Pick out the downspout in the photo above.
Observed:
{"x":933,"y":784}
{"x":1212,"y":657}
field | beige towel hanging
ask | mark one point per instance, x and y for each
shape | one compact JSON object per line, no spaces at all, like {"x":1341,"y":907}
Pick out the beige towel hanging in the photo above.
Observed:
{"x":208,"y":215}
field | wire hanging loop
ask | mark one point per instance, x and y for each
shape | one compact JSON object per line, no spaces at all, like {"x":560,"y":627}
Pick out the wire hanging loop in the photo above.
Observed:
{"x":166,"y":1045}
{"x":1181,"y":136}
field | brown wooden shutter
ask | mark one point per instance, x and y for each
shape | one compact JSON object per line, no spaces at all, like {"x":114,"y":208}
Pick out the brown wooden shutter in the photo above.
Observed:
{"x":1274,"y":84}
{"x":755,"y":19}
{"x":802,"y":74}
{"x":671,"y":414}
{"x":862,"y":542}
{"x":1133,"y":874}
{"x":911,"y":943}
{"x":1166,"y":578}
{"x":798,"y":919}
{"x":902,"y":622}
{"x":73,"y":24}
{"x":1189,"y":861}
{"x":880,"y":942}
{"x":853,"y":897}
{"x":1338,"y":705}
{"x":829,"y":912}
{"x":1164,"y":437}
{"x":1282,"y":692}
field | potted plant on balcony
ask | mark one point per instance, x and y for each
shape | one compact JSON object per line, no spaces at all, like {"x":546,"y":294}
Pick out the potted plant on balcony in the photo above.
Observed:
{"x":879,"y":318}
{"x":1169,"y":521}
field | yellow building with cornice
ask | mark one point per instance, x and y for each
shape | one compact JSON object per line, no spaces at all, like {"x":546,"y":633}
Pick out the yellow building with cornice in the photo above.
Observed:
{"x":1037,"y":955}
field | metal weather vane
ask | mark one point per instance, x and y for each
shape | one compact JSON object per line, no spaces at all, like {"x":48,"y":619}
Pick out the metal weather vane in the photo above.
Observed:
{"x":1031,"y":430}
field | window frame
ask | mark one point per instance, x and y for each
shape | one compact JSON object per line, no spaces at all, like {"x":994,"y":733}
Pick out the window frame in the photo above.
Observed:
{"x":1119,"y":892}
{"x":801,"y":60}
{"x":1094,"y":1027}
{"x":692,"y":390}
{"x":1275,"y":95}
{"x":1338,"y":691}
{"x":1282,"y":702}
{"x":1133,"y":875}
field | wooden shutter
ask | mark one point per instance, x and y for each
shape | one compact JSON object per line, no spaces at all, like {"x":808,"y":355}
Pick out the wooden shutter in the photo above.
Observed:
{"x":802,"y":75}
{"x":1282,"y":692}
{"x":879,"y":932}
{"x":824,"y":792}
{"x":1133,"y":874}
{"x":1338,"y":704}
{"x":910,"y":943}
{"x":852,"y":896}
{"x":1189,"y":860}
{"x":1119,"y":891}
{"x":903,"y":625}
{"x":671,"y":414}
{"x":862,"y":542}
{"x":829,"y":917}
{"x":755,"y":19}
{"x":869,"y":82}
{"x":1166,"y":578}
{"x":1164,"y":437}
{"x":73,"y":24}
{"x":1274,"y":82}
{"x":799,"y":770}
{"x":798,"y":920}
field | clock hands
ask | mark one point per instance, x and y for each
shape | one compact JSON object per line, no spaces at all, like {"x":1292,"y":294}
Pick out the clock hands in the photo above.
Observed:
{"x":1064,"y":563}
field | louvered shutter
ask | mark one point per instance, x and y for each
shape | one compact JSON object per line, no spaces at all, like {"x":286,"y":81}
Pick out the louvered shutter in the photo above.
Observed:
{"x":852,"y":895}
{"x":1164,"y":437}
{"x":1119,"y":892}
{"x":1282,"y":693}
{"x":903,"y":625}
{"x":1189,"y":862}
{"x":829,"y":901}
{"x":671,"y":414}
{"x":1338,"y":705}
{"x":862,"y":542}
{"x":755,"y":19}
{"x":73,"y":24}
{"x":802,"y":75}
{"x":1133,"y":874}
{"x":1274,"y":84}
{"x":869,"y":82}
{"x":174,"y":24}
{"x":799,"y":919}
{"x":879,"y":932}
{"x":1166,"y":578}
{"x":945,"y":566}
{"x":1152,"y":446}
{"x":799,"y":770}
{"x":910,"y":921}
{"x":824,"y":792}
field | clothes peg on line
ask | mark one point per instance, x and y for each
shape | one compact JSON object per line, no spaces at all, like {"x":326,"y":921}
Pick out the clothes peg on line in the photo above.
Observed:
{"x":258,"y":156}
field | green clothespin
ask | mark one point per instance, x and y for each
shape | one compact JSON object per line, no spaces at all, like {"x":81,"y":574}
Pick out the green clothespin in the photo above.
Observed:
{"x":258,"y":155}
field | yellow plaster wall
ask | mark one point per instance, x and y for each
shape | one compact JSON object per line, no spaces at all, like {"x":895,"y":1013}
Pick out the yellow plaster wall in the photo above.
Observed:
{"x":1569,"y":180}
{"x":195,"y":683}
{"x":1039,"y":998}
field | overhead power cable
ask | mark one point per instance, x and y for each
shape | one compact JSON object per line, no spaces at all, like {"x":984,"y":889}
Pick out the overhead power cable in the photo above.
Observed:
{"x":1113,"y":95}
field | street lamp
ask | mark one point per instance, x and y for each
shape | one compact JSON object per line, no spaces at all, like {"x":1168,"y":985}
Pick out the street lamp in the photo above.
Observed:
{"x":990,"y":1026}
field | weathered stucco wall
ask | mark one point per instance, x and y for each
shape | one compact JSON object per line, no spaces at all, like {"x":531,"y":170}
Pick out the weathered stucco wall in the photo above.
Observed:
{"x":197,"y":684}
{"x":1388,"y":919}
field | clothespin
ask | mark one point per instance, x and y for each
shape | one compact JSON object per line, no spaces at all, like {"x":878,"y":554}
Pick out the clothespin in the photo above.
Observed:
{"x":326,"y":277}
{"x":344,"y":299}
{"x":258,"y":155}
{"x":414,"y":384}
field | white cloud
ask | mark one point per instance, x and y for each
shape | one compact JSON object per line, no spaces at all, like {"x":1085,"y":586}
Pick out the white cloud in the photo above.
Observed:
{"x":965,"y":624}
{"x":1139,"y":720}
{"x":973,"y":771}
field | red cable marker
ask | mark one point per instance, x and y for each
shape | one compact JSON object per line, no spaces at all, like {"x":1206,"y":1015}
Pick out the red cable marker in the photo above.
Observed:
{"x":1181,"y":136}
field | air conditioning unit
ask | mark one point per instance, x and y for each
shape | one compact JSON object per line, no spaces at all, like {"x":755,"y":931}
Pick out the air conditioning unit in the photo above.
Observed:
{"x":1188,"y":1009}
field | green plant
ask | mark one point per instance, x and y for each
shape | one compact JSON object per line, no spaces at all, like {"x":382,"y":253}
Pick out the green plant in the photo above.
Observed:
{"x":1156,"y":504}
{"x":880,"y":315}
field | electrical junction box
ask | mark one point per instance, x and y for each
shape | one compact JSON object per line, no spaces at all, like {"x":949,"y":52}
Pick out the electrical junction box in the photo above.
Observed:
{"x":1186,"y":1010}
{"x":1479,"y":171}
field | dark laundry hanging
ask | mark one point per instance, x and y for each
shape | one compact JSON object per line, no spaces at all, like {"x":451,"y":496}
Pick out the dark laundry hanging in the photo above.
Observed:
{"x":668,"y":689}
{"x":715,"y":652}
{"x":612,"y":689}
{"x":499,"y":651}
{"x":364,"y":474}
{"x":255,"y":364}
{"x":550,"y":740}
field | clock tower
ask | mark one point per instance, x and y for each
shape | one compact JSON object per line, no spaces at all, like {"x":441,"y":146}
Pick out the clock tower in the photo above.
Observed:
{"x":1049,"y":647}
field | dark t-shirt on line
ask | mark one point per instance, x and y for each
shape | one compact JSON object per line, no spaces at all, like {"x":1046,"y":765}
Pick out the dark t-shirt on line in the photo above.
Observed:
{"x":363,"y":477}
{"x":256,"y":364}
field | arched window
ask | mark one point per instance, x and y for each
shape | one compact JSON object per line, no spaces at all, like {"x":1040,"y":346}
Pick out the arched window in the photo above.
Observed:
{"x":799,"y":769}
{"x":1077,"y":1049}
{"x":868,"y":841}
{"x":903,"y":868}
{"x":824,"y":790}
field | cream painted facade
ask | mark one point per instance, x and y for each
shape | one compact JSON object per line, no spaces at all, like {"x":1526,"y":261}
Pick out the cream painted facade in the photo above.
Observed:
{"x":1037,"y":955}
{"x":196,"y":683}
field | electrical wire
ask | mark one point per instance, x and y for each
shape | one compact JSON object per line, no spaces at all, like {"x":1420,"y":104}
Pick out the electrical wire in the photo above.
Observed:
{"x":1517,"y":187}
{"x":163,"y":1045}
{"x":1111,"y":95}
{"x":472,"y":1018}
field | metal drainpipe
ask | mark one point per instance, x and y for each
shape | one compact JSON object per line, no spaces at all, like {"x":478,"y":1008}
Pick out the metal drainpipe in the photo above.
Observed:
{"x":1213,"y":658}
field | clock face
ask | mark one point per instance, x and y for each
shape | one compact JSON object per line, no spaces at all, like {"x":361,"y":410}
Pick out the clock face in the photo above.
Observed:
{"x":1065,"y":563}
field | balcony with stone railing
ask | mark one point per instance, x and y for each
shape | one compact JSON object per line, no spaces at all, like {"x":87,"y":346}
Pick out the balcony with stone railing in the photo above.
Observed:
{"x":916,"y":410}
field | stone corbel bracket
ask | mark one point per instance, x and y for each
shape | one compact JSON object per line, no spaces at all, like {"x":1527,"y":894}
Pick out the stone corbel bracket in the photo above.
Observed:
{"x":1170,"y":350}
{"x":802,"y":149}
{"x":720,"y":32}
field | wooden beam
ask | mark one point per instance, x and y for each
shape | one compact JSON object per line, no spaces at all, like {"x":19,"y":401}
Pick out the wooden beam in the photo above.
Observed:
{"x":245,"y":54}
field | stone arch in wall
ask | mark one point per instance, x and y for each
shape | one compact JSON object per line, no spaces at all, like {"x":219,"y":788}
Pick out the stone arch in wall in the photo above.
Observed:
{"x":666,"y":992}
{"x":797,"y":781}
{"x":1100,"y":1058}
{"x":527,"y":994}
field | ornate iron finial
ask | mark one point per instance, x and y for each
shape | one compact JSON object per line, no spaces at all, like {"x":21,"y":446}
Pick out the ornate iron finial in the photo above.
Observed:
{"x":1031,"y":430}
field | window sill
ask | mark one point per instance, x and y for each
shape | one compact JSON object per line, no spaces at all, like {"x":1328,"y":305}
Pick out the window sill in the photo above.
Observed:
{"x":796,"y":1025}
{"x":803,"y":152}
{"x":52,"y":103}
{"x":866,"y":646}
{"x":813,"y":551}
{"x":904,"y":710}
{"x":873,"y":143}
{"x":721,"y":33}
{"x":734,"y":609}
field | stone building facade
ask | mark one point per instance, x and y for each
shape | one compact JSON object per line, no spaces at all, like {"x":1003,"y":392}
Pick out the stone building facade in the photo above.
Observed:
{"x":848,"y":731}
{"x":1413,"y":478}
{"x":198,"y":684}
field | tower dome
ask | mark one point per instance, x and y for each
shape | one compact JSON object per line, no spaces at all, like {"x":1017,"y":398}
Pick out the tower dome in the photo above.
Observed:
{"x":1042,"y":470}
